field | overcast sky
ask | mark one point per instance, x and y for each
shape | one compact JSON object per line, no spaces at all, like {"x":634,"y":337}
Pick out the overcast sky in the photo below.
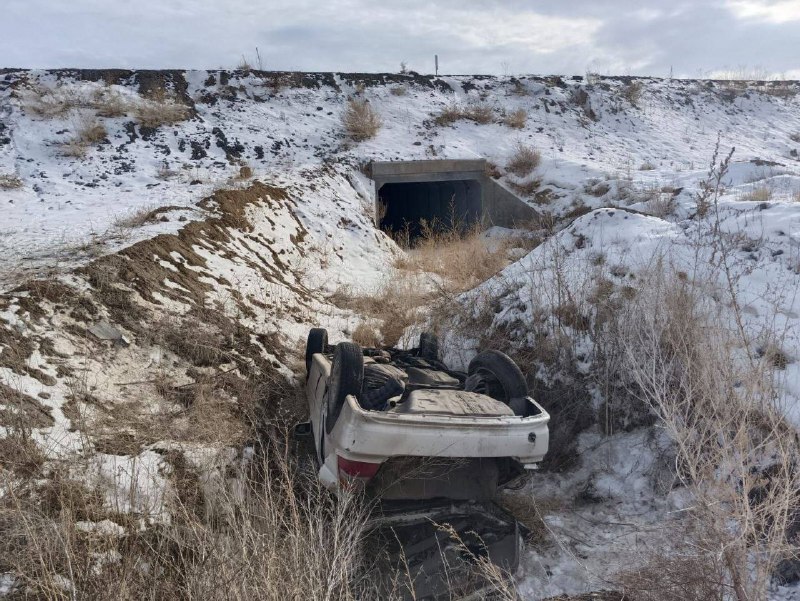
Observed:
{"x":637,"y":37}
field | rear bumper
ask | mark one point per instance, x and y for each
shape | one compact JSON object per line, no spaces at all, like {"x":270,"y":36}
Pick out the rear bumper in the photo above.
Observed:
{"x":375,"y":436}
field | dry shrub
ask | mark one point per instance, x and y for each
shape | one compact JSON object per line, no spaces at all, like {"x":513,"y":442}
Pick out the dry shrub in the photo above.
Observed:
{"x":516,"y":119}
{"x":632,"y":92}
{"x":399,"y":91}
{"x":647,"y":166}
{"x":448,"y":115}
{"x":661,"y":205}
{"x":360,"y":120}
{"x":696,"y":577}
{"x":10,"y":182}
{"x":88,"y":132}
{"x":366,"y":336}
{"x":737,"y":456}
{"x":530,"y":513}
{"x":523,"y":160}
{"x":795,"y":137}
{"x":479,"y":113}
{"x":108,"y":102}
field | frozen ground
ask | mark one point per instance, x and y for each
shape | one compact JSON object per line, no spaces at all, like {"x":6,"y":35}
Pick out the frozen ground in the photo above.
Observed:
{"x":311,"y":233}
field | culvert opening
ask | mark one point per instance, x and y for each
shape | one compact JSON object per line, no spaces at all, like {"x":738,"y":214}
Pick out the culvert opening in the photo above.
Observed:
{"x":405,"y":208}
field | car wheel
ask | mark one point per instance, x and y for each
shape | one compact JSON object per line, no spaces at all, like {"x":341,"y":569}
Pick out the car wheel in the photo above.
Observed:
{"x":347,"y":377}
{"x":316,"y":343}
{"x":496,"y":375}
{"x":429,"y":346}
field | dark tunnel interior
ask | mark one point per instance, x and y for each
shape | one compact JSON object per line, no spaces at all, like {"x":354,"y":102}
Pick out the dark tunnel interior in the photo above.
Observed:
{"x":442,"y":205}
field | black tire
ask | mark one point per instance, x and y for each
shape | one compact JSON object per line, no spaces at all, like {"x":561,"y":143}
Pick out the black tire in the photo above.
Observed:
{"x":495,"y":374}
{"x":316,"y":343}
{"x":429,"y":346}
{"x":347,"y":377}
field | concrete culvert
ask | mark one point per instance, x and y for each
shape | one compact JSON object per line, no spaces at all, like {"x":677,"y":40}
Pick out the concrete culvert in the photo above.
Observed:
{"x":444,"y":194}
{"x":442,"y":205}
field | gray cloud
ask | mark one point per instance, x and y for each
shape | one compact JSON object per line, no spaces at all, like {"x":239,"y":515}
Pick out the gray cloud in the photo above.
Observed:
{"x":482,"y":36}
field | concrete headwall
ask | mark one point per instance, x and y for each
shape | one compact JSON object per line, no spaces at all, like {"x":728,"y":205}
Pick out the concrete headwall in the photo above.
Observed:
{"x":499,"y":205}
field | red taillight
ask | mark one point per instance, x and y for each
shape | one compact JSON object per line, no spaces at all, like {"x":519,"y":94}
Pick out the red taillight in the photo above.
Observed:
{"x":357,"y":470}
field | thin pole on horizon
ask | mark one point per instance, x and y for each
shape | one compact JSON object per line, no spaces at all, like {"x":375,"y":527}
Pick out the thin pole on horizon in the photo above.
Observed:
{"x":436,"y":63}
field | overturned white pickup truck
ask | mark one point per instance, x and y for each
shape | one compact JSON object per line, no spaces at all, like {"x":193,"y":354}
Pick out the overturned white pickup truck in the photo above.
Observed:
{"x":374,"y":411}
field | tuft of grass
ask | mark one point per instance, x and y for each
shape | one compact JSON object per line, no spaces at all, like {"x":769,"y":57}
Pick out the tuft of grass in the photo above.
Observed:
{"x":448,"y":115}
{"x":758,"y":194}
{"x":399,"y":91}
{"x":523,"y":160}
{"x":155,"y":113}
{"x":88,"y":132}
{"x":136,"y":218}
{"x":795,"y":137}
{"x":9,"y":182}
{"x":480,"y":113}
{"x":361,"y":121}
{"x":516,"y":119}
{"x":647,"y":166}
{"x":632,"y":92}
{"x":366,"y":336}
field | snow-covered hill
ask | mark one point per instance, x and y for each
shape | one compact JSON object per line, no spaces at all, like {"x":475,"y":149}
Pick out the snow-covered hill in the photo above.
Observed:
{"x":601,"y":144}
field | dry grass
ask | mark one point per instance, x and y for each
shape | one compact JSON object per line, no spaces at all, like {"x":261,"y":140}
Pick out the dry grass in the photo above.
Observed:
{"x":693,"y":577}
{"x":361,"y":121}
{"x":366,"y":335}
{"x":136,"y":218}
{"x":478,"y":112}
{"x":795,"y":137}
{"x":50,"y":103}
{"x":109,"y":103}
{"x":736,"y":454}
{"x":394,"y":305}
{"x":758,"y":194}
{"x":270,"y":532}
{"x":154,"y":113}
{"x":462,"y":258}
{"x":87,"y":133}
{"x":10,"y":182}
{"x":632,"y":92}
{"x":516,"y":119}
{"x":523,"y":160}
{"x":399,"y":91}
{"x":448,"y":115}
